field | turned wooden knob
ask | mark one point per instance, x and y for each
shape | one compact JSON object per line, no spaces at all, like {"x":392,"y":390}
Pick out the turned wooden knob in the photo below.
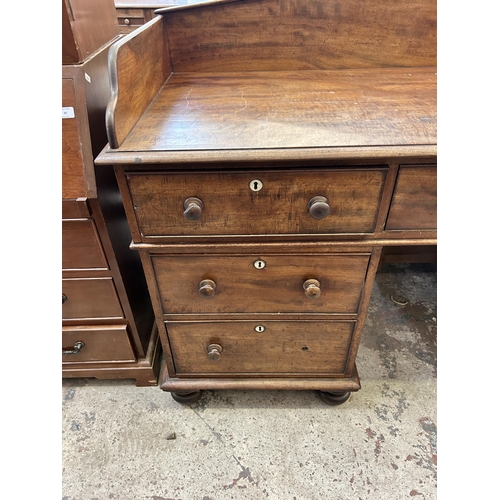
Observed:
{"x":312,"y":289}
{"x":207,"y":288}
{"x":318,"y":207}
{"x":213,"y":352}
{"x":193,"y":208}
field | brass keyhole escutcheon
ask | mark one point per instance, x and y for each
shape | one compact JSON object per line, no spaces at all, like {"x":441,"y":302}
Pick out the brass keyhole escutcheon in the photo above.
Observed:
{"x":213,"y":352}
{"x":312,"y":289}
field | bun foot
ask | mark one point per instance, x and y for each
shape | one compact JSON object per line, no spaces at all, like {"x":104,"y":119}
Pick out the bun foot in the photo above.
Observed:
{"x":186,"y":397}
{"x":334,"y":398}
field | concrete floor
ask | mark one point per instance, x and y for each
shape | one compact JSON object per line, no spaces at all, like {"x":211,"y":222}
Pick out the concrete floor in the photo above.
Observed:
{"x":123,"y":442}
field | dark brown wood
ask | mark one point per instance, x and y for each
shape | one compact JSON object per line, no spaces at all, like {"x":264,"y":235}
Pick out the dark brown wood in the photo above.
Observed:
{"x":144,"y":58}
{"x":301,"y":109}
{"x":145,"y":370}
{"x":298,"y":348}
{"x":81,"y":246}
{"x":261,"y":168}
{"x":414,"y":204}
{"x":75,"y":208}
{"x":88,"y":298}
{"x":159,"y":202}
{"x":186,"y":384}
{"x":83,"y":33}
{"x":110,"y":343}
{"x":105,"y":296}
{"x":277,"y":287}
{"x":302,"y":35}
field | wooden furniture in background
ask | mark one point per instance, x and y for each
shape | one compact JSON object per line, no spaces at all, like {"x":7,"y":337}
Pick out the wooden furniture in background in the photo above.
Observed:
{"x":108,"y":328}
{"x":267,"y":151}
{"x":131,"y":14}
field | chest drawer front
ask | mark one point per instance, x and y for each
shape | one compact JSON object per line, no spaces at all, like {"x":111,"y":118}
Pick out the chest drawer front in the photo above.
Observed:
{"x":261,"y":283}
{"x":257,"y":202}
{"x":109,"y":343}
{"x":286,"y":347}
{"x":414,"y":204}
{"x":90,"y":298}
{"x":81,"y":246}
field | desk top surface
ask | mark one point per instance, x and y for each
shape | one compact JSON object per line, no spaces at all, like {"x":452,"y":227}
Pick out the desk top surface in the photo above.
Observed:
{"x":280,"y":110}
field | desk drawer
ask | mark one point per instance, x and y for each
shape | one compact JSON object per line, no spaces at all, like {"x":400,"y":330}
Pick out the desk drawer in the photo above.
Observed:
{"x":283,"y":347}
{"x":260,"y":283}
{"x":106,"y":343}
{"x":81,"y":246}
{"x":257,"y":202}
{"x":130,"y":19}
{"x":90,"y":298}
{"x":414,"y":203}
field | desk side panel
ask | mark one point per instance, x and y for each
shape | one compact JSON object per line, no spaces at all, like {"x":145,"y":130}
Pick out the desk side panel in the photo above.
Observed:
{"x":139,"y":65}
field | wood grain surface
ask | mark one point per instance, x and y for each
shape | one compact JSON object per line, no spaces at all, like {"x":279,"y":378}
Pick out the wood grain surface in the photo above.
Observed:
{"x":230,"y":207}
{"x":414,"y":204}
{"x":308,"y":109}
{"x":298,"y":347}
{"x":303,"y":34}
{"x":275,"y":288}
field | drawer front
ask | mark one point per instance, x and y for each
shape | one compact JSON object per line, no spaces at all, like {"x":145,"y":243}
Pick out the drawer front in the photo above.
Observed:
{"x":260,"y":283}
{"x":283,"y":347}
{"x":106,"y":343}
{"x":130,"y":19}
{"x":414,"y":204}
{"x":90,"y":298}
{"x":81,"y":246}
{"x":256,"y":202}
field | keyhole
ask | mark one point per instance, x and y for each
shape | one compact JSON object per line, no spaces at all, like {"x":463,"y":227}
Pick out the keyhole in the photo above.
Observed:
{"x":259,"y":264}
{"x":259,"y":328}
{"x":255,"y":185}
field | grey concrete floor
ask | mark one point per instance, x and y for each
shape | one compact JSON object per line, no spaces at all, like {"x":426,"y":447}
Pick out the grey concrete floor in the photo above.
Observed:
{"x":124,"y":442}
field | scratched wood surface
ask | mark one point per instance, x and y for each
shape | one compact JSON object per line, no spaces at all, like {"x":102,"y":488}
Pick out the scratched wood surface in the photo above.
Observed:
{"x":302,"y":109}
{"x":276,"y":288}
{"x":303,"y":34}
{"x":230,"y":207}
{"x":284,"y":347}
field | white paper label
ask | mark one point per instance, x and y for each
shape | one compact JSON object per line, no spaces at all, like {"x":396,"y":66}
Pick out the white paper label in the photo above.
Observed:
{"x":68,"y":112}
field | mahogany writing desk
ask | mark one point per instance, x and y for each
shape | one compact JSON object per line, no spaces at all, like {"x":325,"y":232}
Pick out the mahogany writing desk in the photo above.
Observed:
{"x":266,"y":152}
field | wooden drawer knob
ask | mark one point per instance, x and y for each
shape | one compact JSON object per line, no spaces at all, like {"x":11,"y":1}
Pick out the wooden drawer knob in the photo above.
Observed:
{"x":213,"y":352}
{"x":318,"y":207}
{"x":312,"y":289}
{"x":193,"y":208}
{"x":207,"y":288}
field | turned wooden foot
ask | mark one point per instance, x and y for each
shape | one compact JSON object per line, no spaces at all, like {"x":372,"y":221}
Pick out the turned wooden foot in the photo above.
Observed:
{"x":186,"y":397}
{"x":334,"y":398}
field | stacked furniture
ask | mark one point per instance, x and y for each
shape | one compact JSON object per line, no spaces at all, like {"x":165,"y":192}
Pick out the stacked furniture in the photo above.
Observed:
{"x":108,"y":327}
{"x":267,"y":151}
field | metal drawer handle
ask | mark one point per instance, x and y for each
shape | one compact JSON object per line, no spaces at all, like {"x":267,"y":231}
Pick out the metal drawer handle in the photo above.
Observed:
{"x":312,"y":289}
{"x":64,"y":298}
{"x":76,"y":348}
